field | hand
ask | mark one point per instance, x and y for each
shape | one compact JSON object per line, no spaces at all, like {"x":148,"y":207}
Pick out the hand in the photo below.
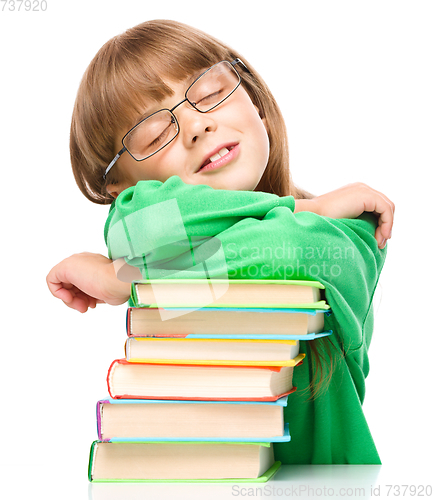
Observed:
{"x":85,"y":280}
{"x":351,"y":201}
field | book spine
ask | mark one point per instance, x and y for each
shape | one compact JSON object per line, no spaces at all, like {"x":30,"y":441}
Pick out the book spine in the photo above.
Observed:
{"x":98,"y":418}
{"x":91,"y":460}
{"x":134,"y":298}
{"x":109,"y":374}
{"x":128,"y":322}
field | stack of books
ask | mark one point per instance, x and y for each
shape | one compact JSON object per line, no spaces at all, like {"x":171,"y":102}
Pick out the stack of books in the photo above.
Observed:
{"x":208,"y":370}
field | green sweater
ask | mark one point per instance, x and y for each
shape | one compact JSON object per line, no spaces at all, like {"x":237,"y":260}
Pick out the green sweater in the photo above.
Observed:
{"x":167,"y":224}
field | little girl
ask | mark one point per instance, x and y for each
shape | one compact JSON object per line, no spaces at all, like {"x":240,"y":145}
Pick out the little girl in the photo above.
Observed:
{"x":167,"y":113}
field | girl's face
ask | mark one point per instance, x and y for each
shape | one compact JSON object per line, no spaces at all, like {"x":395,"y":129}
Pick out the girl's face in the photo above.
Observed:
{"x":234,"y":128}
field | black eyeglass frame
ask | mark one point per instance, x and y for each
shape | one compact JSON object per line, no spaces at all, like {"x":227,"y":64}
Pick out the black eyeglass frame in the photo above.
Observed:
{"x":174,"y":119}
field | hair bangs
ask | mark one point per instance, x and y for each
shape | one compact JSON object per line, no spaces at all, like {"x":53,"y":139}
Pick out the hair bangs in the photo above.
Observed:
{"x":144,"y":63}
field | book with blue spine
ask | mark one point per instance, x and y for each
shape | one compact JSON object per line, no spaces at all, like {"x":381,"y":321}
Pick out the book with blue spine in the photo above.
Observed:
{"x":191,"y":420}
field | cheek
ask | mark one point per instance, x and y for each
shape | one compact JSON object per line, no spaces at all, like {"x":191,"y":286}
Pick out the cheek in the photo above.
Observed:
{"x":254,"y":124}
{"x":260,"y":134}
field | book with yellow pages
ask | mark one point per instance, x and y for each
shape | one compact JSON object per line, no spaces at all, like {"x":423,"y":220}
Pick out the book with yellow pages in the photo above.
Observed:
{"x":213,"y":351}
{"x":233,"y":322}
{"x":181,"y":461}
{"x":174,"y":420}
{"x":228,"y":293}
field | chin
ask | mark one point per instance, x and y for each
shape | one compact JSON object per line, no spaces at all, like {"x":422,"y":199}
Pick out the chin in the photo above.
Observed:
{"x":231,"y":186}
{"x":239,"y":183}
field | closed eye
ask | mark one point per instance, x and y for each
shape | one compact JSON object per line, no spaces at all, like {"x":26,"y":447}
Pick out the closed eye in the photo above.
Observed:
{"x":161,"y":137}
{"x":210,"y":97}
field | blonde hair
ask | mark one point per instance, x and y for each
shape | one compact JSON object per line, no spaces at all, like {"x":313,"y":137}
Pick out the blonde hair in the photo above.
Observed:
{"x":130,"y":68}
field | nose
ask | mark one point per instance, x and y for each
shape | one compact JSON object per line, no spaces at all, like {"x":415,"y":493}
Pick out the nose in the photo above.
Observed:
{"x":194,"y":125}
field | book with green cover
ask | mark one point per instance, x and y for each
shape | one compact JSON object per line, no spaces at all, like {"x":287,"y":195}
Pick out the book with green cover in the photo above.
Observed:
{"x":181,"y":462}
{"x":228,"y":293}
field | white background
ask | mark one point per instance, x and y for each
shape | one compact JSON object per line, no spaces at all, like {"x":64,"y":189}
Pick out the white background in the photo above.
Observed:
{"x":355,"y":83}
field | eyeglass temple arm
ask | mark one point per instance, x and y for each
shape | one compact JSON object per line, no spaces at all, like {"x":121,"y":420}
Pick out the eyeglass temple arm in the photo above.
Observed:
{"x":239,"y":61}
{"x":115,"y":159}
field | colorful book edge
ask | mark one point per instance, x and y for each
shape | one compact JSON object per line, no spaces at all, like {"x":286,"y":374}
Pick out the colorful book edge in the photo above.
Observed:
{"x":241,"y":336}
{"x":215,"y":362}
{"x":315,"y":284}
{"x":284,"y":438}
{"x":319,"y":305}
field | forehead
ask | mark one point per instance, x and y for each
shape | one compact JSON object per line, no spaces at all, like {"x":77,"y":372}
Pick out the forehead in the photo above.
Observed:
{"x":136,"y":66}
{"x":158,"y":93}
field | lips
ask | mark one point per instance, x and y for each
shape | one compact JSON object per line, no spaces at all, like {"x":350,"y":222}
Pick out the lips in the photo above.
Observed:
{"x":219,"y":156}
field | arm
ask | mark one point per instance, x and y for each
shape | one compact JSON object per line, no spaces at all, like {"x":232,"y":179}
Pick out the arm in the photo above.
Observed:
{"x":350,"y":202}
{"x":146,"y":207}
{"x":165,"y":212}
{"x":83,"y":280}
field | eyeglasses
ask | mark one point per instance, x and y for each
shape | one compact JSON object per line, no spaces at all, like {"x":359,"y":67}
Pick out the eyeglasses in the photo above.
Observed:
{"x":159,"y":129}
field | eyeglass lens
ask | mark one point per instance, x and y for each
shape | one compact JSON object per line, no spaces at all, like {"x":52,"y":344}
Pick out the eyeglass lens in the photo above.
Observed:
{"x":207,"y":92}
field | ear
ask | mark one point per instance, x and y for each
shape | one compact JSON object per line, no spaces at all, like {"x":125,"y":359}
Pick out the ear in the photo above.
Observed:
{"x":115,"y":189}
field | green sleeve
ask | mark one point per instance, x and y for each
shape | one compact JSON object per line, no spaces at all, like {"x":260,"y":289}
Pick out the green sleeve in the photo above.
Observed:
{"x":205,"y":211}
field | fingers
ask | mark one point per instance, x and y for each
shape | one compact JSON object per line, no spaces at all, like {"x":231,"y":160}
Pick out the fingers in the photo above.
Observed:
{"x":82,"y":302}
{"x":57,"y":287}
{"x":69,"y":294}
{"x":72,"y":298}
{"x":385,"y":222}
{"x":381,"y":240}
{"x":384,"y":229}
{"x":384,"y":208}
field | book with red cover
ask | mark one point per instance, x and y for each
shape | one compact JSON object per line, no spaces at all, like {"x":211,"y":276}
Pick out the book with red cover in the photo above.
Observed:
{"x":198,"y":382}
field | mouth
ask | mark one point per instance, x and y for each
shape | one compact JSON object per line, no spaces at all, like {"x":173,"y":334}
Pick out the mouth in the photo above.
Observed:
{"x":219,"y":157}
